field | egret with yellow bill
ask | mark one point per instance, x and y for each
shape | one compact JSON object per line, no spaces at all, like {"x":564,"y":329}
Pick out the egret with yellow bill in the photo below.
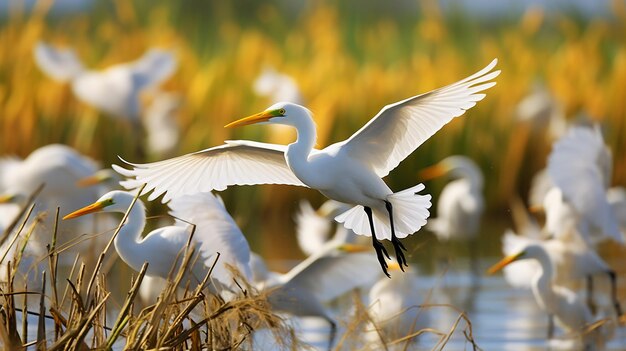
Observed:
{"x":349,"y":171}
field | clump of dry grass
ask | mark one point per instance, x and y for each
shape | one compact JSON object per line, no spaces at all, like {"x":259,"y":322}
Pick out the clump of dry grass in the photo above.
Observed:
{"x":191,"y":320}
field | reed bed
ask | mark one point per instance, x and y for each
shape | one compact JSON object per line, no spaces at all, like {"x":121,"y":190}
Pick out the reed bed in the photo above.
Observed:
{"x":74,"y":312}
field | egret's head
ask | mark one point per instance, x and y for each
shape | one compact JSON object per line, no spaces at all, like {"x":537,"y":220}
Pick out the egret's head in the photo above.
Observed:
{"x":286,"y":113}
{"x":102,"y":176}
{"x":112,"y":201}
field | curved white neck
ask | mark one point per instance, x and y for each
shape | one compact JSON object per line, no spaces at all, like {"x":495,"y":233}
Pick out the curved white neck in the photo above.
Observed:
{"x":297,"y":154}
{"x":127,"y":240}
{"x":542,"y":282}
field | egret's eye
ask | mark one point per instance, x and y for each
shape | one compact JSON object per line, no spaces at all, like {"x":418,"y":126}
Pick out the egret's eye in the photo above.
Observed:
{"x":282,"y":111}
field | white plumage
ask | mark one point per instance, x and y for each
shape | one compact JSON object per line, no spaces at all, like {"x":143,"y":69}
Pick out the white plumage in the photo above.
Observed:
{"x":114,"y":90}
{"x":215,"y":232}
{"x":349,"y":171}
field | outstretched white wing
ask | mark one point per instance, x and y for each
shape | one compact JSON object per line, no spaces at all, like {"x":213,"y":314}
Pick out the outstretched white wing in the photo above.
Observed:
{"x":216,"y":231}
{"x":400,"y":128}
{"x":577,"y":165}
{"x":60,"y":64}
{"x":331,"y":273}
{"x":237,"y":162}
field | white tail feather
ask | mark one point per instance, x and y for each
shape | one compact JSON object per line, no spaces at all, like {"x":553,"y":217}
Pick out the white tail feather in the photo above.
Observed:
{"x":410,"y":211}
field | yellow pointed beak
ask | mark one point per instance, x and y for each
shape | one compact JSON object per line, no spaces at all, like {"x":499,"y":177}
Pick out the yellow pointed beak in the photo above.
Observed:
{"x":393,"y":266}
{"x":536,"y":209}
{"x":352,"y":248}
{"x":6,"y":198}
{"x":433,"y":171}
{"x":504,"y":262}
{"x":95,"y":207}
{"x":89,"y":181}
{"x":256,"y":118}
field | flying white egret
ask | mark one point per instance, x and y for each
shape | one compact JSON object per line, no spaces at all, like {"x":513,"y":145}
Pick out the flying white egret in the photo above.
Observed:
{"x":349,"y":171}
{"x":562,"y":305}
{"x":580,"y":166}
{"x":161,"y":247}
{"x":115,"y":90}
{"x":461,"y":202}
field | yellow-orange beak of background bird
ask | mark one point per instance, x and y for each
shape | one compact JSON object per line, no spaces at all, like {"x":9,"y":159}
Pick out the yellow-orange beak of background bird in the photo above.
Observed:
{"x":6,"y":198}
{"x":504,"y":262}
{"x":352,"y":248}
{"x":434,"y":171}
{"x":95,"y":207}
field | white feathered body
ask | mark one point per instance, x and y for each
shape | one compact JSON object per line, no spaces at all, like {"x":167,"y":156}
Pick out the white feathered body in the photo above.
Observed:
{"x":459,"y":209}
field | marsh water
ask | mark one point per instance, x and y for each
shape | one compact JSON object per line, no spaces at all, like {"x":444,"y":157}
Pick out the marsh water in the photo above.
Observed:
{"x":449,"y":281}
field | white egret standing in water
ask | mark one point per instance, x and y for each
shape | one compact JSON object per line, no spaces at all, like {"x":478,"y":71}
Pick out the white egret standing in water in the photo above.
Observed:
{"x":562,"y":305}
{"x":350,"y":171}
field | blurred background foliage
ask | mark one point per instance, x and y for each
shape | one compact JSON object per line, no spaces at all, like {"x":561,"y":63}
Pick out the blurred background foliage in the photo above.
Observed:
{"x":349,"y":58}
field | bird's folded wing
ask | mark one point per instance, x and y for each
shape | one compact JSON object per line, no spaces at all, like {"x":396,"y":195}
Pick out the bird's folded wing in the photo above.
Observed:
{"x":216,"y":231}
{"x":329,"y":276}
{"x":235,"y":163}
{"x":400,"y":128}
{"x":575,"y":166}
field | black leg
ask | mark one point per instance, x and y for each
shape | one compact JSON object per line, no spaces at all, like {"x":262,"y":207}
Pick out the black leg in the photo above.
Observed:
{"x":380,"y":249}
{"x":592,"y":306}
{"x":397,"y":245}
{"x":333,"y":333}
{"x":618,"y":308}
{"x":550,"y":327}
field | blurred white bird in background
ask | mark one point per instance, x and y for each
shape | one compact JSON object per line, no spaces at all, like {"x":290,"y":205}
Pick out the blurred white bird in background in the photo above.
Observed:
{"x":277,"y":87}
{"x":161,"y":125}
{"x":395,"y":311}
{"x":31,"y":254}
{"x":58,"y":168}
{"x":461,"y":202}
{"x":115,"y":90}
{"x":562,"y":305}
{"x":580,"y":166}
{"x":350,"y":171}
{"x":545,"y":113}
{"x":314,"y":227}
{"x":329,"y":273}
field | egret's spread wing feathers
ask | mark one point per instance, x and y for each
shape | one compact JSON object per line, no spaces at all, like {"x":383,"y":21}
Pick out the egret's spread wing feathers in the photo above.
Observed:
{"x":235,"y":163}
{"x":400,"y":128}
{"x":575,"y":165}
{"x":216,"y":231}
{"x":330,"y":275}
